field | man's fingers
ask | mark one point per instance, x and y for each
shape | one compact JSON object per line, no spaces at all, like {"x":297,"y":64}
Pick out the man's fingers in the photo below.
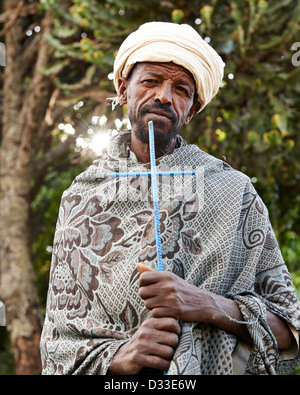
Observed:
{"x":166,"y":324}
{"x":154,"y":362}
{"x":160,"y":312}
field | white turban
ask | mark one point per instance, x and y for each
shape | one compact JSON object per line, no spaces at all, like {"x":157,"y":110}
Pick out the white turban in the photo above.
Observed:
{"x":171,"y":42}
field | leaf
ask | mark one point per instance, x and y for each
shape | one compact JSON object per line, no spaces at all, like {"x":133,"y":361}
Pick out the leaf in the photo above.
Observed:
{"x":177,"y":16}
{"x":61,"y":31}
{"x":279,"y":121}
{"x":55,"y":68}
{"x":107,"y":265}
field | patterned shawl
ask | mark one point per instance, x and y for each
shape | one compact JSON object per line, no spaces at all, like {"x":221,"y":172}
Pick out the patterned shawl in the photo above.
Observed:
{"x":218,"y":238}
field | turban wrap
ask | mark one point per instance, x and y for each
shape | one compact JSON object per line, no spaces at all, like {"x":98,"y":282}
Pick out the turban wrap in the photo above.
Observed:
{"x":170,"y":42}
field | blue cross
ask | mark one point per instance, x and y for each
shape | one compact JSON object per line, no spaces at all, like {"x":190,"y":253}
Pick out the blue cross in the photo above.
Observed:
{"x":153,"y":174}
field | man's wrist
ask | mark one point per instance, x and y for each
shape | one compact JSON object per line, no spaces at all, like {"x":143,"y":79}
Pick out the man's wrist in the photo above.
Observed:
{"x":215,"y":309}
{"x":119,"y":363}
{"x":203,"y":308}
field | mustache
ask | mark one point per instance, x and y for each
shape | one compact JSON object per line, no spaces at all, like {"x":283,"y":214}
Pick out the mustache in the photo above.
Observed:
{"x":164,"y":108}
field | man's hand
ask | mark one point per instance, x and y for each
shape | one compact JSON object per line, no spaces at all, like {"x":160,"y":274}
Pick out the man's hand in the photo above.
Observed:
{"x":152,"y":346}
{"x":168,"y":295}
{"x":170,"y":298}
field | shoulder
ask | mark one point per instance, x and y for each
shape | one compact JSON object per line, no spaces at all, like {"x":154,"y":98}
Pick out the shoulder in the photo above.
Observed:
{"x":214,"y":167}
{"x":87,"y":181}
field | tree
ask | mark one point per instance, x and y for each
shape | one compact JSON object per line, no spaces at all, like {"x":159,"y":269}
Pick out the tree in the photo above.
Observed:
{"x":28,"y":115}
{"x":23,"y":112}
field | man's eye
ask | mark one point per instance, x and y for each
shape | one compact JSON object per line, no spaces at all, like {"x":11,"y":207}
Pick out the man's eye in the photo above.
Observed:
{"x":151,"y":81}
{"x":182,"y":89}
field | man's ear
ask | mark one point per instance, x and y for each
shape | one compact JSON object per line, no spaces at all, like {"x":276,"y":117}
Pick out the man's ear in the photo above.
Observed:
{"x":122,"y":89}
{"x":193,"y":111}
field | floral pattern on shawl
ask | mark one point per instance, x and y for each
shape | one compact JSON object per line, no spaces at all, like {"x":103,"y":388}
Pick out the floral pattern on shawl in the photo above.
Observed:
{"x":172,"y":216}
{"x":84,"y":232}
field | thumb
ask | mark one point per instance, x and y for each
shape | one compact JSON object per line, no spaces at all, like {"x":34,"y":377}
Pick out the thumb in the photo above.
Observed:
{"x":142,"y":267}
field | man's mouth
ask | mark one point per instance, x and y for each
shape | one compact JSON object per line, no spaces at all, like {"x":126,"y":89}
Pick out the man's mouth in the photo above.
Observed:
{"x":161,"y":113}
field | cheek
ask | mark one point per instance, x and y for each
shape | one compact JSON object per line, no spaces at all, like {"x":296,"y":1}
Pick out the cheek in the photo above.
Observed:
{"x":186,"y":111}
{"x":133,"y":106}
{"x":135,"y":99}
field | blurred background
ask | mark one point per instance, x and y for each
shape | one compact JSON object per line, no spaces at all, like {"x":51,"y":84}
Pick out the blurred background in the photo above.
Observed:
{"x":56,"y":60}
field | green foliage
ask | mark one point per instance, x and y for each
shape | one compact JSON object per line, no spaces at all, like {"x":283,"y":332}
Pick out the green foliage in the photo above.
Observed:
{"x":254,"y":120}
{"x":6,"y":358}
{"x":89,"y":33}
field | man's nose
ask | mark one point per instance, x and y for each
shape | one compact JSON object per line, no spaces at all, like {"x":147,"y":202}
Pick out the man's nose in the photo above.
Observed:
{"x":164,"y":94}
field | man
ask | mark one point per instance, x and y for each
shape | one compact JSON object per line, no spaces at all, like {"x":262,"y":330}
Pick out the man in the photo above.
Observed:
{"x":225,"y":303}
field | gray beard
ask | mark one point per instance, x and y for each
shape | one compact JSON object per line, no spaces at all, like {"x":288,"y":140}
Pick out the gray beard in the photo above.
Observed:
{"x":162,"y":138}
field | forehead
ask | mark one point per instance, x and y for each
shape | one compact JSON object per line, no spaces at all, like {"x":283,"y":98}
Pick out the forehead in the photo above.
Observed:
{"x":165,"y":70}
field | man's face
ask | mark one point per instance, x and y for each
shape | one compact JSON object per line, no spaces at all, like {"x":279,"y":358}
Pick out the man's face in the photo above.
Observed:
{"x":159,"y":92}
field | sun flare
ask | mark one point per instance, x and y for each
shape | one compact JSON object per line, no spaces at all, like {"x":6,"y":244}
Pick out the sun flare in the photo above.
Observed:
{"x":99,"y":142}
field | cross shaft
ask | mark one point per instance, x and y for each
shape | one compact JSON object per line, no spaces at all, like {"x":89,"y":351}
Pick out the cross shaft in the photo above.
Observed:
{"x":153,"y":174}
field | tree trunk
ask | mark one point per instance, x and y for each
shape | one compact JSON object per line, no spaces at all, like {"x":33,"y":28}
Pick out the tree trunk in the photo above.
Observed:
{"x":23,"y":112}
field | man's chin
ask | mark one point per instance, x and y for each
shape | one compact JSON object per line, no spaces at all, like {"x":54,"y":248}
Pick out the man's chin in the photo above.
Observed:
{"x":160,"y":127}
{"x":162,"y":137}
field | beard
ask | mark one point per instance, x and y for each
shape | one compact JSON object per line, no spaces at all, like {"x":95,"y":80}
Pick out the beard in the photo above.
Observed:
{"x":163,"y":138}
